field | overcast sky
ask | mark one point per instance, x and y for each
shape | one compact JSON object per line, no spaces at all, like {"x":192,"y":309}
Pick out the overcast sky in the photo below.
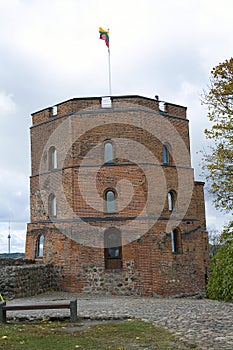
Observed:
{"x":50,"y":52}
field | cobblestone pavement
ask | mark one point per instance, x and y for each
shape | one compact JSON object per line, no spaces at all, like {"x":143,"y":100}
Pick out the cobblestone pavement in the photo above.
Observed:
{"x":206,"y":323}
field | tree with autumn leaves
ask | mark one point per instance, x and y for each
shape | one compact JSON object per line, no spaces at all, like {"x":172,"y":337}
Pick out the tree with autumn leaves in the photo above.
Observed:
{"x":218,"y":164}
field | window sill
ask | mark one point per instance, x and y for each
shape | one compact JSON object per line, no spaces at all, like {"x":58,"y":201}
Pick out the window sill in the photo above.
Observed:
{"x":110,"y":162}
{"x":54,"y":170}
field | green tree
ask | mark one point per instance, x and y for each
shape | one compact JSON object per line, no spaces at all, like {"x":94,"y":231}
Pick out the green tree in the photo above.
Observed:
{"x":219,"y":162}
{"x":219,"y":173}
{"x":220,"y":284}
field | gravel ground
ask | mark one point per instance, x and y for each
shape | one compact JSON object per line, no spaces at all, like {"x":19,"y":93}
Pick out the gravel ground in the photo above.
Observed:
{"x":206,"y":323}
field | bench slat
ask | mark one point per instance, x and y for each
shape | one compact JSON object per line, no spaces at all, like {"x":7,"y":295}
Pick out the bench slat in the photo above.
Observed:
{"x":36,"y":306}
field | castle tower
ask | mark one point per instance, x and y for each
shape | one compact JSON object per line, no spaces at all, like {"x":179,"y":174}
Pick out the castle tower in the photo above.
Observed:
{"x":113,"y":198}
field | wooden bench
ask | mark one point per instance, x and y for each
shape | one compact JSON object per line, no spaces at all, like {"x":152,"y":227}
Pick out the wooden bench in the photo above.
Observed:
{"x":72,"y":305}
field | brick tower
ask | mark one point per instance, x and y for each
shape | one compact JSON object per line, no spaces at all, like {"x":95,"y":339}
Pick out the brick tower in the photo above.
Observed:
{"x":113,"y":198}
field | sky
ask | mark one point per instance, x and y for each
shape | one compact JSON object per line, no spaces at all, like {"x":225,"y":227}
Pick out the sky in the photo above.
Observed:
{"x":50,"y":52}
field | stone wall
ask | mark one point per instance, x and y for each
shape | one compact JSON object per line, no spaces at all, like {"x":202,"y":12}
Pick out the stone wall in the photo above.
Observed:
{"x":120,"y":282}
{"x":15,"y":262}
{"x":25,"y":278}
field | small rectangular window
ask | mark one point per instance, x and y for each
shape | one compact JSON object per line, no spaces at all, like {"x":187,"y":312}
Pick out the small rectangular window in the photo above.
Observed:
{"x":113,"y":250}
{"x":162,"y":106}
{"x":54,"y":110}
{"x":165,"y":155}
{"x":106,"y":102}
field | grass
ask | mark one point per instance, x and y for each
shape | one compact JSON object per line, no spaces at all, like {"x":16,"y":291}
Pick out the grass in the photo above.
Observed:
{"x":125,"y":335}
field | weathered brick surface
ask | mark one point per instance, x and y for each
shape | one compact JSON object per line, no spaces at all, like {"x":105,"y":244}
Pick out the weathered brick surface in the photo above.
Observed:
{"x":74,"y":238}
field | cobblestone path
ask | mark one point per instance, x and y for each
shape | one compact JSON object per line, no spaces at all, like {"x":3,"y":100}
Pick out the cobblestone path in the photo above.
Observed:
{"x":206,"y":323}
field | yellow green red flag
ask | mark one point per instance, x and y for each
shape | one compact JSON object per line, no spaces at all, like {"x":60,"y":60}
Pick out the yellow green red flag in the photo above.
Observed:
{"x":104,"y":35}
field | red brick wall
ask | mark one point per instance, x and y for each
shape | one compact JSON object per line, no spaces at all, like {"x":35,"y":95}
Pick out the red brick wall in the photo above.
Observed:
{"x":138,"y":131}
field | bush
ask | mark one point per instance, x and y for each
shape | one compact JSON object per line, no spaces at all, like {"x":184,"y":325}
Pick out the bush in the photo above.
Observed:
{"x":220,"y":284}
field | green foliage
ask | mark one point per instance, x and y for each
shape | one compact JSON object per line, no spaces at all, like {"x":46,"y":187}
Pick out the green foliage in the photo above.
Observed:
{"x":220,"y":284}
{"x":219,"y":168}
{"x":219,"y":162}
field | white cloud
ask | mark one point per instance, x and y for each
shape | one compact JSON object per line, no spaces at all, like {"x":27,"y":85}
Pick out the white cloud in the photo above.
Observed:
{"x":14,"y":197}
{"x":7,"y":104}
{"x":216,"y":219}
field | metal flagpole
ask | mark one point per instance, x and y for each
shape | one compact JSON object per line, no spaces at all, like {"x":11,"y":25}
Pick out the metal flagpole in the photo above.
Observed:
{"x":104,"y":35}
{"x":109,"y":73}
{"x":109,"y":69}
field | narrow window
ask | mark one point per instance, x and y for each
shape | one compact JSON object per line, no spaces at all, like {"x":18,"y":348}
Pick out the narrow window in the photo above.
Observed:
{"x":110,"y":202}
{"x":176,"y":241}
{"x":113,"y":249}
{"x":52,"y":205}
{"x":173,"y":241}
{"x":40,"y":246}
{"x":165,"y":155}
{"x":54,"y":110}
{"x":170,"y":197}
{"x":108,"y":152}
{"x":162,"y":106}
{"x":52,"y":158}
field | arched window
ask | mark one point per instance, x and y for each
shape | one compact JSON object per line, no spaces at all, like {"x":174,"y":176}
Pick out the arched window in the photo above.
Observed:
{"x":166,"y":159}
{"x":176,"y":241}
{"x":113,"y":249}
{"x":40,"y":247}
{"x":110,"y":202}
{"x":52,"y":205}
{"x":108,"y":152}
{"x":171,"y":200}
{"x":52,"y":158}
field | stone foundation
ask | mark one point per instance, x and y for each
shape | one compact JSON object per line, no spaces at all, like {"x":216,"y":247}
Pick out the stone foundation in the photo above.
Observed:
{"x":97,"y":280}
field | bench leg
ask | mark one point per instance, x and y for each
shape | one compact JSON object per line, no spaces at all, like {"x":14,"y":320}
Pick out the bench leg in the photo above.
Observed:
{"x":73,"y":311}
{"x":2,"y":313}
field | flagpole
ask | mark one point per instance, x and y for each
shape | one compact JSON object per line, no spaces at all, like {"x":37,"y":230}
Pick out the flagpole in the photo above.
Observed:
{"x":109,"y":73}
{"x":104,"y":35}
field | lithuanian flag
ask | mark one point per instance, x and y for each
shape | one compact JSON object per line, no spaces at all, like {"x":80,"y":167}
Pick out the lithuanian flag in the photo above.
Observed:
{"x":104,"y":35}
